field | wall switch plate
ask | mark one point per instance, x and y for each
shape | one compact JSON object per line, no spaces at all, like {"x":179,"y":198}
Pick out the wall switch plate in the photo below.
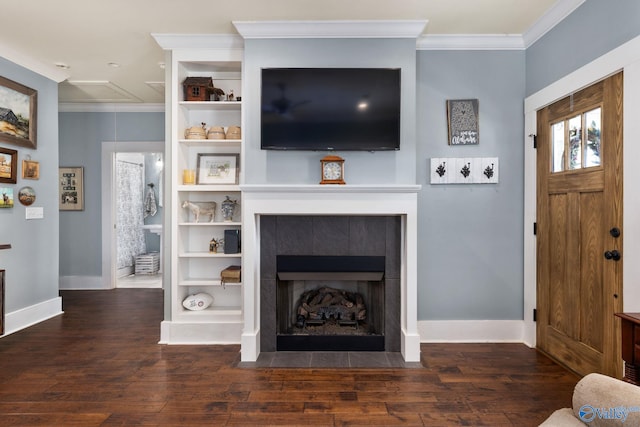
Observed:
{"x":34,"y":213}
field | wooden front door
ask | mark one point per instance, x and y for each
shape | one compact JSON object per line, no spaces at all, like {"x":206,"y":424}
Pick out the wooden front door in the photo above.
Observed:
{"x":579,"y":228}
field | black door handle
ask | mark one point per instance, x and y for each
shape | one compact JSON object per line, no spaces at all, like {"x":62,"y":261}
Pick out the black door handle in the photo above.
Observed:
{"x":614,"y":255}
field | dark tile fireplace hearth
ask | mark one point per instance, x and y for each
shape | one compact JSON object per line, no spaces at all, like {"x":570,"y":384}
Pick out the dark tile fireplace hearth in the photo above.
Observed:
{"x":347,"y":270}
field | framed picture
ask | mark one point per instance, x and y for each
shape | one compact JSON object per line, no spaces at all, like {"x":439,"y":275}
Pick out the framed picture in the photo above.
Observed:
{"x":8,"y":166}
{"x":7,"y":197}
{"x":462,"y":121}
{"x":218,"y":168}
{"x":18,"y":110}
{"x":30,"y":169}
{"x":71,"y":182}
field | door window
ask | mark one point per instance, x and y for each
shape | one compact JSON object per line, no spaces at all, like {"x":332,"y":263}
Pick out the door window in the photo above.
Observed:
{"x":579,"y":136}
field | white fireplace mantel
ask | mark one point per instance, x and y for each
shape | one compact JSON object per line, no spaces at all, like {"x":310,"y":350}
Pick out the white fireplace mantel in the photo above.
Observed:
{"x":400,"y":200}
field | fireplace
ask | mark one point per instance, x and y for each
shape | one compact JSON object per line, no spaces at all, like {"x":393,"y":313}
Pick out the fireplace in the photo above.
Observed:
{"x":351,"y":220}
{"x":330,"y":303}
{"x":358,"y":255}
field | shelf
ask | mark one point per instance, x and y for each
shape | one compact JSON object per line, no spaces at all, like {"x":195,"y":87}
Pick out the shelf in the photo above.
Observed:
{"x":221,"y":143}
{"x":217,"y":309}
{"x":208,"y":255}
{"x":211,"y":105}
{"x":213,"y":313}
{"x":210,"y":187}
{"x":215,"y":224}
{"x":206,"y":283}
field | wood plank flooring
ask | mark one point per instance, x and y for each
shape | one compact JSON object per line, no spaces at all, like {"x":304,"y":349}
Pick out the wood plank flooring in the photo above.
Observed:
{"x":99,"y":364}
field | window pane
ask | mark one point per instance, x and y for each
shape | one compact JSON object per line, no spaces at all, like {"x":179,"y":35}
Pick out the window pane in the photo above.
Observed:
{"x":557,"y":142}
{"x":575,"y":142}
{"x":592,"y":122}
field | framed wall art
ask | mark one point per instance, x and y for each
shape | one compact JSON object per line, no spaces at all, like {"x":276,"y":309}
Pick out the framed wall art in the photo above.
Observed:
{"x":7,"y":197}
{"x":71,"y":182}
{"x":18,"y":111}
{"x":8,"y":166}
{"x":26,"y":196}
{"x":30,"y":169}
{"x":218,"y":168}
{"x":462,"y":121}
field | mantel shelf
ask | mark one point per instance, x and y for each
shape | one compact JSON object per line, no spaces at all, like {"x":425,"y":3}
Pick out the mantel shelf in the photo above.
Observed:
{"x":365,"y":188}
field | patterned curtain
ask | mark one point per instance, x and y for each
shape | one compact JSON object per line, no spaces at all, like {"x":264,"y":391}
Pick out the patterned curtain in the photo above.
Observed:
{"x":129,"y":215}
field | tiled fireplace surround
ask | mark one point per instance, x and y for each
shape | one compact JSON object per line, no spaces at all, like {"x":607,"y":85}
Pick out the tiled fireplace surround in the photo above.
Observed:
{"x":329,"y":220}
{"x":322,"y":235}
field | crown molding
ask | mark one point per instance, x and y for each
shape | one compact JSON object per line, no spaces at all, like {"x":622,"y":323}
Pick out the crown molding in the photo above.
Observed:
{"x":330,"y":29}
{"x":470,"y":42}
{"x":556,"y":13}
{"x":198,"y":41}
{"x":49,"y":71}
{"x":103,"y":107}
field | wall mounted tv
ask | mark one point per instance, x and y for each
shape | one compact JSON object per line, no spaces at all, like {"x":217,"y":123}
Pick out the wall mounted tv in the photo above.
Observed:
{"x":330,"y":109}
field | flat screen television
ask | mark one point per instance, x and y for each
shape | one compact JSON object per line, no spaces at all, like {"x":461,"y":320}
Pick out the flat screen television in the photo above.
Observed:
{"x":330,"y":109}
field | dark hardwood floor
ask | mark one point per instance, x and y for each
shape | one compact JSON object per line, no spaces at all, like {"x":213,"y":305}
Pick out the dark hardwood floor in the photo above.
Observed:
{"x":100,"y":364}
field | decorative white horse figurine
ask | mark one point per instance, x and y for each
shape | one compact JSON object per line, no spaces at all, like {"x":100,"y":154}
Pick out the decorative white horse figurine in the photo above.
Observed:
{"x":201,"y":208}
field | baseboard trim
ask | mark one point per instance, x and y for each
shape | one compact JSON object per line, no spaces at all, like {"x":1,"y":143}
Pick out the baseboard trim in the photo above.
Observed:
{"x":197,"y":333}
{"x":29,"y":316}
{"x":73,"y":283}
{"x":471,"y":331}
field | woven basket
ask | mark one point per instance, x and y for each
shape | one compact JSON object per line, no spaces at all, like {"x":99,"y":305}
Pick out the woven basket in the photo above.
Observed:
{"x":234,"y":132}
{"x":195,"y":132}
{"x":216,"y":132}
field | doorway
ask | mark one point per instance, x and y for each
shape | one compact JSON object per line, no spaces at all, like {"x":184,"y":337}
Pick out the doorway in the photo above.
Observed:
{"x":132,"y":214}
{"x":579,"y":222}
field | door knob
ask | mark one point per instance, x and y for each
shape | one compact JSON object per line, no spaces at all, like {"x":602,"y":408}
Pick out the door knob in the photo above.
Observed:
{"x":615,"y":232}
{"x":614,"y":255}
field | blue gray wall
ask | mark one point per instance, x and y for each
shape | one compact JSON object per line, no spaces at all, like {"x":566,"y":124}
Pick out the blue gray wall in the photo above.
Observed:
{"x":81,"y":135}
{"x":276,"y":167}
{"x":593,"y":29}
{"x":32,"y":263}
{"x":470,"y":236}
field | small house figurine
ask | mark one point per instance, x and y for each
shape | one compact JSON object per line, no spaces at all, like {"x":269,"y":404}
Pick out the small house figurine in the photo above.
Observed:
{"x":197,"y":88}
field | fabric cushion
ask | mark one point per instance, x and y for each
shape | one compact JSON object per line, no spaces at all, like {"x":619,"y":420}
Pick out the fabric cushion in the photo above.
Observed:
{"x":602,"y":401}
{"x":562,"y":418}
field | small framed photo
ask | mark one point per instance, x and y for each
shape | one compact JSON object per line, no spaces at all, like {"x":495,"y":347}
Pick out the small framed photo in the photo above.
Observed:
{"x":30,"y":169}
{"x":218,"y":168}
{"x":18,"y":109}
{"x":8,"y":166}
{"x":462,"y":121}
{"x":7,"y":197}
{"x":71,"y":183}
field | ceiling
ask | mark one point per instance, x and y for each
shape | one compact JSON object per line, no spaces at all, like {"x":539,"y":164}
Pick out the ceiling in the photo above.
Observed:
{"x":112,"y":57}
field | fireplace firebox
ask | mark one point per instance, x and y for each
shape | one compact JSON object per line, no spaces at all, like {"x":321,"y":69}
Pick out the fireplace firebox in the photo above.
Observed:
{"x":330,"y":303}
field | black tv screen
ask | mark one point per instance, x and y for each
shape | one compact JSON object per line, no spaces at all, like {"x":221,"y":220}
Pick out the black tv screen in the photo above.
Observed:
{"x":330,"y":109}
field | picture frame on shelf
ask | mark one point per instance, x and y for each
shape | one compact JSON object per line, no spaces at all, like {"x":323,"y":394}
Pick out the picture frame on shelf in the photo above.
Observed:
{"x":71,"y":188}
{"x":18,"y":111}
{"x":218,"y":169}
{"x":8,"y":166}
{"x":30,"y":169}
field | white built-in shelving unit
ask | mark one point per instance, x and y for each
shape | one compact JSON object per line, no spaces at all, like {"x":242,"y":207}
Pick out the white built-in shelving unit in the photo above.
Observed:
{"x":193,"y":268}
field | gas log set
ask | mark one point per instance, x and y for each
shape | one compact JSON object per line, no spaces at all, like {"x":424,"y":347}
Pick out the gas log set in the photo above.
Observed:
{"x":324,"y":305}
